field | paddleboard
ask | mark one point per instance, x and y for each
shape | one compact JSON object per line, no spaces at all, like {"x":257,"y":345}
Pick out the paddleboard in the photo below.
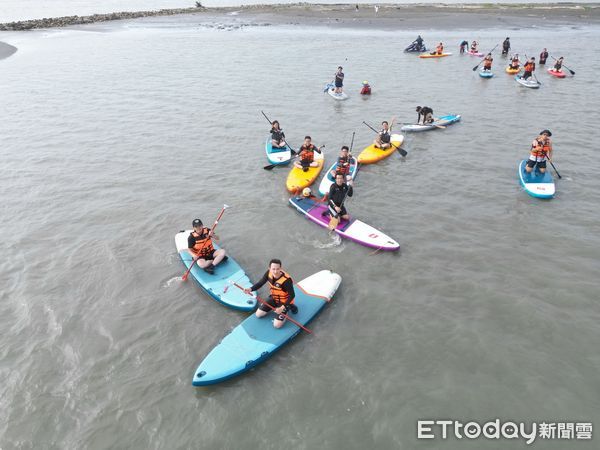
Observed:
{"x":475,"y":53}
{"x":298,"y":179}
{"x":429,"y":55}
{"x":442,"y":121}
{"x":277,"y":156}
{"x":255,"y":340}
{"x":530,"y":83}
{"x":352,"y":229}
{"x":217,"y":285}
{"x":328,"y":180}
{"x":536,"y":184}
{"x":512,"y":71}
{"x":556,"y":74}
{"x":342,"y":96}
{"x":372,"y":154}
{"x":486,"y":74}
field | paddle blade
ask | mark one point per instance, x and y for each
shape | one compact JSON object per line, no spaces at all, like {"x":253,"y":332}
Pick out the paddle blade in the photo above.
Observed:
{"x":333,"y":223}
{"x":269,"y":167}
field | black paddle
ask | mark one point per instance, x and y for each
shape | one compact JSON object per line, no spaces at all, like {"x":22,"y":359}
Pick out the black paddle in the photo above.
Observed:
{"x":572,"y":71}
{"x":552,"y":164}
{"x":270,"y":166}
{"x":400,"y":150}
{"x":475,"y":68}
{"x":286,"y":143}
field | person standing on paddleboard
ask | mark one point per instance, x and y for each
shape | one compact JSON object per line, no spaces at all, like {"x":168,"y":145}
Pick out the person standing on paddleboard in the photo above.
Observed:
{"x":282,"y":293}
{"x":339,"y":80}
{"x":200,"y":246}
{"x":529,"y":68}
{"x":343,"y":163}
{"x":487,"y":62}
{"x":427,"y":114}
{"x":543,"y":57}
{"x":541,"y":150}
{"x":307,"y":155}
{"x":506,"y":46}
{"x":384,"y":138}
{"x":277,"y":135}
{"x":336,"y":196}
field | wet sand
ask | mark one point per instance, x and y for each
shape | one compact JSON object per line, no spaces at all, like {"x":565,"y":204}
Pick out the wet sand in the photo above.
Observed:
{"x":6,"y":50}
{"x":388,"y":17}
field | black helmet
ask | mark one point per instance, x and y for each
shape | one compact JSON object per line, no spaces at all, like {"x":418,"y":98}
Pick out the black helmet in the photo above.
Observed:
{"x":197,"y":223}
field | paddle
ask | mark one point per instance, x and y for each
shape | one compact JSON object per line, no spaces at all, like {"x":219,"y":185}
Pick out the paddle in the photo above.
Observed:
{"x":270,"y":166}
{"x":572,"y":71}
{"x":212,"y":230}
{"x":400,"y":150}
{"x":552,"y":164}
{"x":328,"y":86}
{"x":265,"y":303}
{"x":475,"y":68}
{"x":335,"y":221}
{"x":286,"y":143}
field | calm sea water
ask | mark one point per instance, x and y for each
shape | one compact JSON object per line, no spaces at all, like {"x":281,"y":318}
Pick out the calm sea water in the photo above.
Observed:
{"x":115,"y":138}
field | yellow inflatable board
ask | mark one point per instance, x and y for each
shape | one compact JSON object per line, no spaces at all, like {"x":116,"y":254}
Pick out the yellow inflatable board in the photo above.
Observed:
{"x":372,"y":154}
{"x":298,"y":179}
{"x":429,"y":55}
{"x":510,"y":70}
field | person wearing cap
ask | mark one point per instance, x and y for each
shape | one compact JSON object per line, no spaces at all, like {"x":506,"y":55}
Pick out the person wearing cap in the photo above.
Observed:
{"x":506,"y":46}
{"x":366,"y":88}
{"x":281,"y":298}
{"x":529,"y":68}
{"x":343,"y":163}
{"x":339,"y":80}
{"x":541,"y":150}
{"x":426,"y":112}
{"x":201,"y":248}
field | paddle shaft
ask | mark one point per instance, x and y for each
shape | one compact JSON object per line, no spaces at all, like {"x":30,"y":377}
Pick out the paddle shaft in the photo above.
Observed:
{"x":475,"y":68}
{"x":284,"y":315}
{"x":400,"y":150}
{"x":212,"y":231}
{"x":552,"y":164}
{"x":570,"y":70}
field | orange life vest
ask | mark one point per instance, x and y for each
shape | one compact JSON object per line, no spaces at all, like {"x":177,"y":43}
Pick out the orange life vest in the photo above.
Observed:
{"x":342,"y":167}
{"x":487,"y":63}
{"x":540,"y":149}
{"x":307,"y":153}
{"x":203,"y":245}
{"x":277,"y":293}
{"x":529,"y":66}
{"x":439,"y":49}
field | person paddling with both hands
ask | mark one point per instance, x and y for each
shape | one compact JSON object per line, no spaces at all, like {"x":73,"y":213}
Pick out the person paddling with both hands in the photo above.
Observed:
{"x":487,"y":62}
{"x":541,"y":150}
{"x":281,"y":298}
{"x":306,"y":154}
{"x":201,"y":248}
{"x":529,"y":68}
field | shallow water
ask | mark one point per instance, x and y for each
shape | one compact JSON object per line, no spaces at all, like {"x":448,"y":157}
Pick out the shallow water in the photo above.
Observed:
{"x":115,"y":138}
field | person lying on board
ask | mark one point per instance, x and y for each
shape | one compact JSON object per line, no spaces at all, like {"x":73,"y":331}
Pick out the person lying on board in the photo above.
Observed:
{"x":200,"y":246}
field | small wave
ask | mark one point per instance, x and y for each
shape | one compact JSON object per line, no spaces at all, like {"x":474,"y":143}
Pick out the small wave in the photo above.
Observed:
{"x":170,"y":281}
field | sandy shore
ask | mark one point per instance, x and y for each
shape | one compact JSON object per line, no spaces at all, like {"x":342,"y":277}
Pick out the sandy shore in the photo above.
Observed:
{"x":388,"y":16}
{"x":6,"y":50}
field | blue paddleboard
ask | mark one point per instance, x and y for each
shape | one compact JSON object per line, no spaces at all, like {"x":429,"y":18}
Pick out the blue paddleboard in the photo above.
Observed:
{"x":277,"y":156}
{"x":255,"y":340}
{"x":536,"y":184}
{"x":486,"y":74}
{"x":218,"y":285}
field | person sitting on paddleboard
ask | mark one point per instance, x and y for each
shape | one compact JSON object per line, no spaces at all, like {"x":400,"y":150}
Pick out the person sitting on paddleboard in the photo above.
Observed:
{"x":366,"y":89}
{"x":474,"y":47}
{"x":558,"y":65}
{"x":343,"y":163}
{"x":384,"y":138}
{"x":427,"y":114}
{"x":506,"y":46}
{"x":200,"y":246}
{"x":281,"y":296}
{"x":463,"y":46}
{"x":439,"y":49}
{"x":339,"y":80}
{"x":487,"y":62}
{"x":514,"y":62}
{"x":529,"y":68}
{"x":307,"y":155}
{"x":541,"y":150}
{"x":543,"y":57}
{"x":336,"y":196}
{"x":277,"y":135}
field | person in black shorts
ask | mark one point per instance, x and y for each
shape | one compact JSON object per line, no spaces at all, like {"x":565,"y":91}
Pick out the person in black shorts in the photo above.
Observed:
{"x":201,"y":247}
{"x":337,"y":194}
{"x":282,"y":294}
{"x":339,"y":80}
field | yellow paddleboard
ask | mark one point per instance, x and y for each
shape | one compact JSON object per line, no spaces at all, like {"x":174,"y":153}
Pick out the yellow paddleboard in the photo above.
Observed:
{"x":298,"y":179}
{"x":372,"y":154}
{"x":511,"y":70}
{"x":429,"y":55}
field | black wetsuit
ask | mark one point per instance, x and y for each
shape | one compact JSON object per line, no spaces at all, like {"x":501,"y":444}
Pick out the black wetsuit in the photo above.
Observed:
{"x":424,"y":111}
{"x":505,"y":47}
{"x":337,"y":195}
{"x":543,"y":58}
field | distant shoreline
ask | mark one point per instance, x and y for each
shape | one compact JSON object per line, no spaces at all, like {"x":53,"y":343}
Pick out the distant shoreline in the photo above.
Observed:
{"x":388,"y":15}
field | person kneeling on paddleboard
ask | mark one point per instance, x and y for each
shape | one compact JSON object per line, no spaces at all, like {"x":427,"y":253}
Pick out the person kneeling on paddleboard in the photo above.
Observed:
{"x":200,"y":246}
{"x":384,"y":138}
{"x":427,"y":114}
{"x":282,"y":293}
{"x":339,"y":80}
{"x":558,"y":65}
{"x":337,"y":194}
{"x":277,"y":135}
{"x":474,"y":45}
{"x":529,"y":68}
{"x":366,"y":89}
{"x":541,"y":150}
{"x":439,"y":49}
{"x":515,"y":63}
{"x":487,"y":62}
{"x":343,"y":163}
{"x":307,"y":155}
